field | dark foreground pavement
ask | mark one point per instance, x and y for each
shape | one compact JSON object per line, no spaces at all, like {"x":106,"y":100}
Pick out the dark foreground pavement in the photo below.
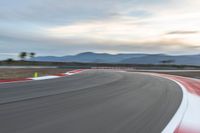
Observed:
{"x":94,"y":101}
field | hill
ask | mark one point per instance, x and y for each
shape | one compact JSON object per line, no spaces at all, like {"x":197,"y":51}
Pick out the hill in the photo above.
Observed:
{"x":89,"y":57}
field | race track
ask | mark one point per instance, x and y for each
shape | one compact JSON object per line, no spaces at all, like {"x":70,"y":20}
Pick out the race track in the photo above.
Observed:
{"x":94,"y":101}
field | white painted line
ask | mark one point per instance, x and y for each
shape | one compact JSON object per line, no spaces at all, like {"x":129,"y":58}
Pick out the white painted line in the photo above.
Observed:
{"x":178,"y":116}
{"x":69,"y":73}
{"x":45,"y":77}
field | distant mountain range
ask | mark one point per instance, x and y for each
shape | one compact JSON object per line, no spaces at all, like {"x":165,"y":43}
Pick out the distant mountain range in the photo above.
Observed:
{"x":90,"y":57}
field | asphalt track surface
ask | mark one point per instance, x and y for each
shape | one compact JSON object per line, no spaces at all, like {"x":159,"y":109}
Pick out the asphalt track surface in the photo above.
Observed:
{"x":94,"y":101}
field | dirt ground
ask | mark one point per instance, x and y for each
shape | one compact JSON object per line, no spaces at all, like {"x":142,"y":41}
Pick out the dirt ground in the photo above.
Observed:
{"x":11,"y":73}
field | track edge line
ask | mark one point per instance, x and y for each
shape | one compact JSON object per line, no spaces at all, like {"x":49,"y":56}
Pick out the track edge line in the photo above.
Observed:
{"x":178,"y":116}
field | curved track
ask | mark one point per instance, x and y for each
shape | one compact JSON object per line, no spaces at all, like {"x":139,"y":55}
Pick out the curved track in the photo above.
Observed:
{"x":95,"y":101}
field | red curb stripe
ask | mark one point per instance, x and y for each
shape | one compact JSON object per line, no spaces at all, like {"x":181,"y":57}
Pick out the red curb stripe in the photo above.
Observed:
{"x":193,"y":86}
{"x":60,"y":74}
{"x":13,"y":80}
{"x":185,"y":130}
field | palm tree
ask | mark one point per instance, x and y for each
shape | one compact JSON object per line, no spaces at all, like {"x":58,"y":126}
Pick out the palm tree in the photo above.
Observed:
{"x":22,"y":55}
{"x":32,"y":55}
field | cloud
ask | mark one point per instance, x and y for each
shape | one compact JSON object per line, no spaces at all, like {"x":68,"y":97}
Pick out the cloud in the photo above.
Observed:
{"x":72,"y":26}
{"x":182,"y":32}
{"x":56,"y":12}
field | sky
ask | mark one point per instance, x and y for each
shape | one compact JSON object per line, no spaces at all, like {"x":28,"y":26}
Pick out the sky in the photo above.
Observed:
{"x":64,"y":27}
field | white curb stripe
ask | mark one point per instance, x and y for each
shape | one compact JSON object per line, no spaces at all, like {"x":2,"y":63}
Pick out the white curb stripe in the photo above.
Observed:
{"x":45,"y":77}
{"x":178,"y":116}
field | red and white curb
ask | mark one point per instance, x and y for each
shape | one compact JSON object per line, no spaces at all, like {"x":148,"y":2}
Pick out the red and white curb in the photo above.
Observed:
{"x":187,"y":117}
{"x":69,"y":73}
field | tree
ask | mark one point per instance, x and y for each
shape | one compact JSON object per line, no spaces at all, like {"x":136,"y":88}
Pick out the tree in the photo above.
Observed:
{"x":22,"y":55}
{"x":167,"y":61}
{"x":32,"y":55}
{"x":9,"y":60}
